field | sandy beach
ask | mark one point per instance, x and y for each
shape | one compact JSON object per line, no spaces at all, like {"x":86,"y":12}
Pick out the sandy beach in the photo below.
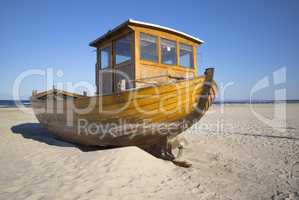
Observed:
{"x":234,"y":156}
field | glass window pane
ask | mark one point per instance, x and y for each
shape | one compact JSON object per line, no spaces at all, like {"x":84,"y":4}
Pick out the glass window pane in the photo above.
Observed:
{"x":105,"y":57}
{"x":123,"y":49}
{"x":168,"y":52}
{"x":148,"y":47}
{"x":186,"y":55}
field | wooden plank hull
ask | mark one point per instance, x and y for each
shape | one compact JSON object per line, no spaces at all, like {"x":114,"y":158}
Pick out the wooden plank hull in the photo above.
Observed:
{"x":141,"y":117}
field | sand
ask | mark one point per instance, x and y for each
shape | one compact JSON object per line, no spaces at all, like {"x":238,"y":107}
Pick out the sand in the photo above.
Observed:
{"x":234,"y":156}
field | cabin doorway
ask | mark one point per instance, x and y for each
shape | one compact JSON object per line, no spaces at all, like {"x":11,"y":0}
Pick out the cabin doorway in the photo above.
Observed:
{"x":116,"y":70}
{"x":123,"y":63}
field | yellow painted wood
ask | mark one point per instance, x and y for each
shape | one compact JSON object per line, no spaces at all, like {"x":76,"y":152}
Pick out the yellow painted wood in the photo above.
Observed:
{"x":178,"y":103}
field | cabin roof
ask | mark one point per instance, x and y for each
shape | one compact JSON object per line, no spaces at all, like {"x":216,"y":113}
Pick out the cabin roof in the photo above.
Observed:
{"x":144,"y":24}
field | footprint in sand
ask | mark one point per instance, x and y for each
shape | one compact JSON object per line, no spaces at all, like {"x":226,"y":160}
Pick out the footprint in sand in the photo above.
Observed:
{"x":295,"y":171}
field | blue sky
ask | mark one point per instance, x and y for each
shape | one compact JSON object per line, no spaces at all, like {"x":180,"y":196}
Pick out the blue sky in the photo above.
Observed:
{"x":244,"y":40}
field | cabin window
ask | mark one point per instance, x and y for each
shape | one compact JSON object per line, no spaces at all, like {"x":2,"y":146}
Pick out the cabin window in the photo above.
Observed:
{"x":168,"y":52}
{"x":148,"y":47}
{"x":105,"y":57}
{"x":122,"y":49}
{"x":186,"y":55}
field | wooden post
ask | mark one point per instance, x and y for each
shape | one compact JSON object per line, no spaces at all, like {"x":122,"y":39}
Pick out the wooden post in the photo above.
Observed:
{"x":97,"y":78}
{"x":97,"y":68}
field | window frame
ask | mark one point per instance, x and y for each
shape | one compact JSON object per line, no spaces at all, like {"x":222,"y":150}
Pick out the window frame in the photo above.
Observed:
{"x":176,"y":51}
{"x":129,"y":34}
{"x":109,"y":45}
{"x":192,"y":56}
{"x":157,"y":47}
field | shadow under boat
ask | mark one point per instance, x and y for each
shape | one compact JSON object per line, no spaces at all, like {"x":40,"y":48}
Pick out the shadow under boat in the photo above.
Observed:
{"x":37,"y":132}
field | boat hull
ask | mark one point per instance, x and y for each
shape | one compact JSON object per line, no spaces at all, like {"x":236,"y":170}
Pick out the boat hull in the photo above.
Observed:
{"x":142,"y":117}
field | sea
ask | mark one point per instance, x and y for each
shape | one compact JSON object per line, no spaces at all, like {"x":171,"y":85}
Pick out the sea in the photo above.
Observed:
{"x":27,"y":103}
{"x":13,"y":104}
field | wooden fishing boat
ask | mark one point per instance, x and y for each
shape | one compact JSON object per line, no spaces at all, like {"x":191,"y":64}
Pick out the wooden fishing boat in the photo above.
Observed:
{"x":148,"y":92}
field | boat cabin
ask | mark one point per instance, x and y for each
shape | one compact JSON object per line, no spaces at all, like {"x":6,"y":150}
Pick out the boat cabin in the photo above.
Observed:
{"x":136,"y":54}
